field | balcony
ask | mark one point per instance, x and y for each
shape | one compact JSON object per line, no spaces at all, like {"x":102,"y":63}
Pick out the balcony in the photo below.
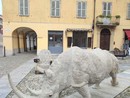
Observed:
{"x":107,"y":21}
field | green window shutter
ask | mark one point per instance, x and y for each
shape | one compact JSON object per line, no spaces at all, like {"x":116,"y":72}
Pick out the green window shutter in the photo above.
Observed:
{"x":57,"y":4}
{"x":52,"y":8}
{"x":55,"y":8}
{"x":107,"y":7}
{"x":58,"y":8}
{"x":79,"y":9}
{"x":104,"y":8}
{"x":26,"y":7}
{"x":128,"y":14}
{"x":84,"y":9}
{"x":21,"y":7}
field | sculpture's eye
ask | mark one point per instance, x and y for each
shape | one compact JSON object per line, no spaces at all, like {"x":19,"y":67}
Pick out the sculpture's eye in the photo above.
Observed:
{"x":50,"y":95}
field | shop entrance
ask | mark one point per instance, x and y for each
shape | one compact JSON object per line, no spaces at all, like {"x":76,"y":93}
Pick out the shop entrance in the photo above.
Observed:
{"x":55,"y":41}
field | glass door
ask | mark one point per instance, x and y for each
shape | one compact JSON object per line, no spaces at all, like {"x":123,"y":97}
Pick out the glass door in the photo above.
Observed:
{"x":55,"y":41}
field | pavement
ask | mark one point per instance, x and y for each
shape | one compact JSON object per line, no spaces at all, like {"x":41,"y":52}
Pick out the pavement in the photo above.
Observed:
{"x":18,"y":66}
{"x":21,"y":64}
{"x":9,"y":63}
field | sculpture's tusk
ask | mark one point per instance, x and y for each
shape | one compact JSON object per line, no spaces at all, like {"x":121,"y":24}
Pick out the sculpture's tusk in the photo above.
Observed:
{"x":79,"y":85}
{"x":71,"y":44}
{"x":38,"y":70}
{"x":16,"y":91}
{"x":35,"y":92}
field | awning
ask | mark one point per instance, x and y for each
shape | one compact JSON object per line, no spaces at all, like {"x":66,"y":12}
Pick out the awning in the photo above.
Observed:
{"x":127,"y":33}
{"x":78,"y":29}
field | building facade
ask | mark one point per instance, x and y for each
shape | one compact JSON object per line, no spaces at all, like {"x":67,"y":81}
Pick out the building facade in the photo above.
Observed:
{"x":112,"y":24}
{"x":57,"y":25}
{"x":1,"y":24}
{"x":1,"y":30}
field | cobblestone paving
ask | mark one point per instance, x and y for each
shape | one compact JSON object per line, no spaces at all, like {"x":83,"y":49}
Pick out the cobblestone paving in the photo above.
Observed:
{"x":7,"y":64}
{"x":124,"y":64}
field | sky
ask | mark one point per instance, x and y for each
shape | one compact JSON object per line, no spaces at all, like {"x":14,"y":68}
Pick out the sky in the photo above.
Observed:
{"x":0,"y":8}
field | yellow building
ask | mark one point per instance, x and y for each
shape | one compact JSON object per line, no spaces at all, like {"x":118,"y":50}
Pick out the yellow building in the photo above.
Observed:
{"x":57,"y":24}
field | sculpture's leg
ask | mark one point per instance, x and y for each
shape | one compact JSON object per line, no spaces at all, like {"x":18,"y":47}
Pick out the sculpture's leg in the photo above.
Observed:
{"x":39,"y":70}
{"x":114,"y":78}
{"x":84,"y":91}
{"x":56,"y":95}
{"x":97,"y":85}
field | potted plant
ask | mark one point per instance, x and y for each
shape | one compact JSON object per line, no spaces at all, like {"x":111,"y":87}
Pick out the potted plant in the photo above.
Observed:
{"x":99,"y":22}
{"x":117,"y":23}
{"x":117,"y":16}
{"x":101,"y":16}
{"x":117,"y":19}
{"x":109,"y":16}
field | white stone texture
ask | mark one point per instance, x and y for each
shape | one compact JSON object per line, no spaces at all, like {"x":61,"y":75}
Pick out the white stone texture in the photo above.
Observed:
{"x":76,"y":68}
{"x":45,"y":58}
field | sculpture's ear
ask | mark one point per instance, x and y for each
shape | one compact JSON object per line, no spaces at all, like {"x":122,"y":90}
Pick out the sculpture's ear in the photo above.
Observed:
{"x":49,"y":73}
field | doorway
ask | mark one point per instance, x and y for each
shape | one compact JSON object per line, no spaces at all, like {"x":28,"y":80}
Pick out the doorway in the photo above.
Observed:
{"x":105,"y":39}
{"x":24,"y":39}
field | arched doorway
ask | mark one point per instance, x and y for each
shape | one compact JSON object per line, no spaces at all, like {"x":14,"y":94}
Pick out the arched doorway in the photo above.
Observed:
{"x":105,"y":39}
{"x":24,"y":40}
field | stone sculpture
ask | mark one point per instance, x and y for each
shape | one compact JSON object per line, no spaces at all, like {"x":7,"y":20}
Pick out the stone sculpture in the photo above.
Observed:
{"x":77,"y":68}
{"x":43,"y":61}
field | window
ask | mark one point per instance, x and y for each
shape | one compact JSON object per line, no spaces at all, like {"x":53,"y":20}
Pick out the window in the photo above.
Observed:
{"x":107,"y":8}
{"x":23,"y":7}
{"x":128,"y":13}
{"x":81,"y":9}
{"x":55,"y":8}
{"x":80,"y":39}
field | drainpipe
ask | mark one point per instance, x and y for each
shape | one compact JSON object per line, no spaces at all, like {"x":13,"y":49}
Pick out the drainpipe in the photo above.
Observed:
{"x":93,"y":26}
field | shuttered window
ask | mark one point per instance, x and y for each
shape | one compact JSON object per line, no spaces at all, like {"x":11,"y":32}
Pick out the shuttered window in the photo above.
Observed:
{"x":23,"y":7}
{"x":81,"y":9}
{"x":107,"y":8}
{"x":128,"y":13}
{"x":55,"y":8}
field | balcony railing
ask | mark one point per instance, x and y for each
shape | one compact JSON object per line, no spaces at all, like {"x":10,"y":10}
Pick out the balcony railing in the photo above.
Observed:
{"x":111,"y":21}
